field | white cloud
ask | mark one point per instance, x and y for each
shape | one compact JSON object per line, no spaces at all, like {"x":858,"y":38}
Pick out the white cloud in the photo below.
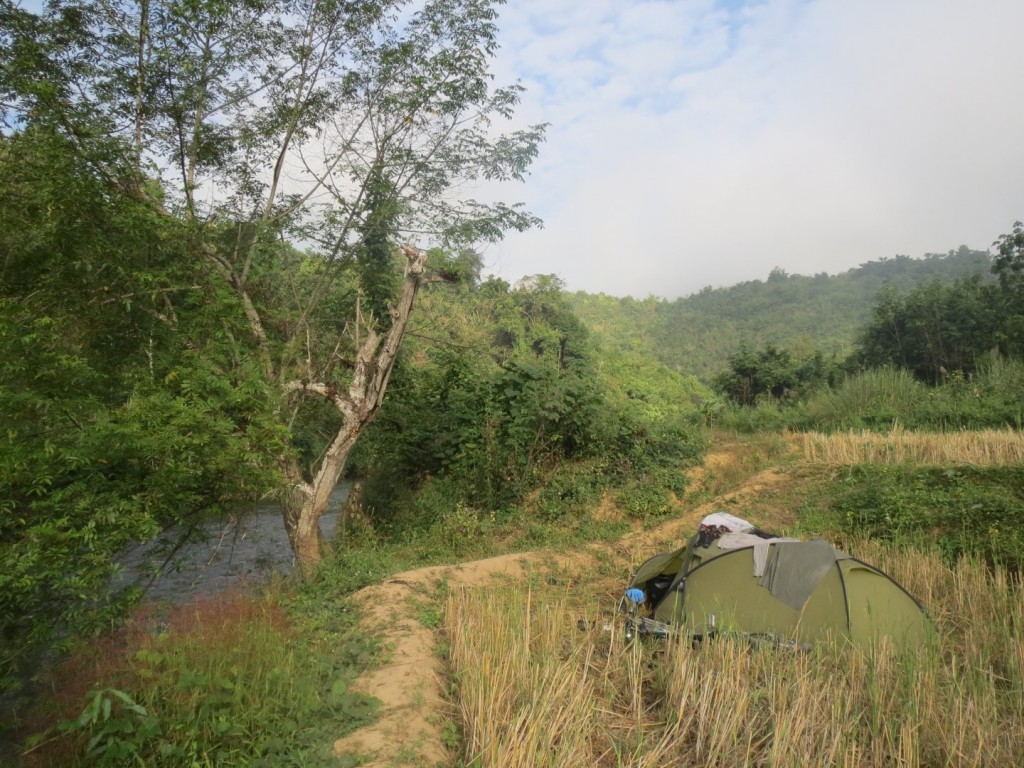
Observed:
{"x":692,"y":144}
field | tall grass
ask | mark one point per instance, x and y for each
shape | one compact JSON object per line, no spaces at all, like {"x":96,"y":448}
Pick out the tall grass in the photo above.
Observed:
{"x":525,"y":694}
{"x":876,"y":399}
{"x":230,"y":680}
{"x":533,"y":690}
{"x":987,"y":447}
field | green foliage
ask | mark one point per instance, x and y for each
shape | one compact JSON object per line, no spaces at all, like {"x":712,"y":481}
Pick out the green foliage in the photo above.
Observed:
{"x":1008,"y":265}
{"x":124,"y":402}
{"x":101,"y":101}
{"x":874,"y":399}
{"x":937,"y":329}
{"x":572,"y":490}
{"x":765,"y":416}
{"x":1009,"y":269}
{"x":965,"y":510}
{"x":455,"y":530}
{"x":348,"y":570}
{"x":231,"y":683}
{"x":933,"y":330}
{"x":878,"y":399}
{"x":504,"y":401}
{"x":375,"y":260}
{"x":774,"y":373}
{"x":513,"y":393}
{"x":695,"y":334}
{"x":644,"y":499}
{"x":155,"y":320}
{"x":117,"y":727}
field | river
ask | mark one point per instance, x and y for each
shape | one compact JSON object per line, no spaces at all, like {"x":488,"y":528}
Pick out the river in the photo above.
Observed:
{"x":241,"y":547}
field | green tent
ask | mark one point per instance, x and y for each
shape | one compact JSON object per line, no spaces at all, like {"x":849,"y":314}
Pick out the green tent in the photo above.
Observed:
{"x":802,"y":591}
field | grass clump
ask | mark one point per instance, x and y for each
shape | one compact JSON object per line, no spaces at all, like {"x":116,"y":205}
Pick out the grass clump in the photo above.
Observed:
{"x":231,"y":680}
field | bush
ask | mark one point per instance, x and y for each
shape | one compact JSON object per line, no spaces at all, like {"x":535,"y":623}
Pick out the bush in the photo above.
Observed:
{"x":966,"y":510}
{"x":230,"y":681}
{"x":875,"y":399}
{"x":878,"y":399}
{"x":766,"y":416}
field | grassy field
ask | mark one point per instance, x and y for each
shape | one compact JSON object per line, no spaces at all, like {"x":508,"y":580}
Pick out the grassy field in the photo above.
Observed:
{"x":531,"y":689}
{"x":269,"y":678}
{"x":988,"y":447}
{"x":534,"y":690}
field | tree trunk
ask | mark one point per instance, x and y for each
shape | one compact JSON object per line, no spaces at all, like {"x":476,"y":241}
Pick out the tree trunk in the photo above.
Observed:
{"x":302,"y":503}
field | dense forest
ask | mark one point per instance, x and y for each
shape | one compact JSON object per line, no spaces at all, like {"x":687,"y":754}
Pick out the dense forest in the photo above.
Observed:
{"x":201,"y":298}
{"x":695,"y":334}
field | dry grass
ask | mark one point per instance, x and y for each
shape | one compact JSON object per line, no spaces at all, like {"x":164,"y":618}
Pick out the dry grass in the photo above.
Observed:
{"x":733,"y":461}
{"x":533,"y":690}
{"x":988,"y":447}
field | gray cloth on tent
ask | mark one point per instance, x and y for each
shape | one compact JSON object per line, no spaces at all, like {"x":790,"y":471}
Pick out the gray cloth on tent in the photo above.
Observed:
{"x":760,"y":545}
{"x":795,"y":568}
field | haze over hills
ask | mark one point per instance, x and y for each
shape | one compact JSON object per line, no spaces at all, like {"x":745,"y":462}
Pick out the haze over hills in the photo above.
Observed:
{"x":697,"y":333}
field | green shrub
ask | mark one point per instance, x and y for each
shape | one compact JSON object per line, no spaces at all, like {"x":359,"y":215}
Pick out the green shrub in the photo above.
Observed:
{"x":461,"y":528}
{"x":880,"y":398}
{"x":965,"y":510}
{"x":571,"y":489}
{"x":875,"y":399}
{"x":226,"y":681}
{"x":766,"y":416}
{"x":643,"y":501}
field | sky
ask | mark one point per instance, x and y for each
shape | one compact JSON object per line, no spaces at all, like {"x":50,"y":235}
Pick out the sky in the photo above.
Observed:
{"x":698,"y":143}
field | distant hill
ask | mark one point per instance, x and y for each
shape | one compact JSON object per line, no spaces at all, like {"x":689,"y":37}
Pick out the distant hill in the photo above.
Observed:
{"x":695,"y":334}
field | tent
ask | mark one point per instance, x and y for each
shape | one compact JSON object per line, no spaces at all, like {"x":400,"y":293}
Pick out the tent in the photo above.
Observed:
{"x":788,"y":590}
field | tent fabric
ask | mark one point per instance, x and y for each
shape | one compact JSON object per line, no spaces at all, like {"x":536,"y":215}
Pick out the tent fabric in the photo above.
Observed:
{"x":809,"y":592}
{"x":794,"y":569}
{"x":761,"y":547}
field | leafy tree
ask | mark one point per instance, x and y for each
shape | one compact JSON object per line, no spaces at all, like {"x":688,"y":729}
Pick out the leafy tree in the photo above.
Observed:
{"x":505,"y":400}
{"x":1009,"y":269}
{"x":331,"y":125}
{"x":375,"y":260}
{"x":501,"y":385}
{"x":126,"y":405}
{"x":773,"y":372}
{"x":1008,"y":265}
{"x":933,"y":330}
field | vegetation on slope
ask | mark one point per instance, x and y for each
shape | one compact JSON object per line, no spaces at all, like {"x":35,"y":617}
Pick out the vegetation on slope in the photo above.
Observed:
{"x":695,"y":334}
{"x":165,"y":358}
{"x":503,"y":400}
{"x":257,"y":679}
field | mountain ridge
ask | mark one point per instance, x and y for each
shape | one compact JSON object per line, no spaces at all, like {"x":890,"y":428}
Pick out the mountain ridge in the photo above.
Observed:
{"x":695,"y":334}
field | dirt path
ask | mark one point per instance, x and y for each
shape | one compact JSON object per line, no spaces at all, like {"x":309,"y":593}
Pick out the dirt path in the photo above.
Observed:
{"x":399,"y":611}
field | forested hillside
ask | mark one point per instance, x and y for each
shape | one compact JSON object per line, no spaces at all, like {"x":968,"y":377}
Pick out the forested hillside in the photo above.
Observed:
{"x":696,"y":334}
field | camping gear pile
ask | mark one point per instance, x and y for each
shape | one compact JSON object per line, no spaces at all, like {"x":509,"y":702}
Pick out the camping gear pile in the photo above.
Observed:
{"x":733,"y":578}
